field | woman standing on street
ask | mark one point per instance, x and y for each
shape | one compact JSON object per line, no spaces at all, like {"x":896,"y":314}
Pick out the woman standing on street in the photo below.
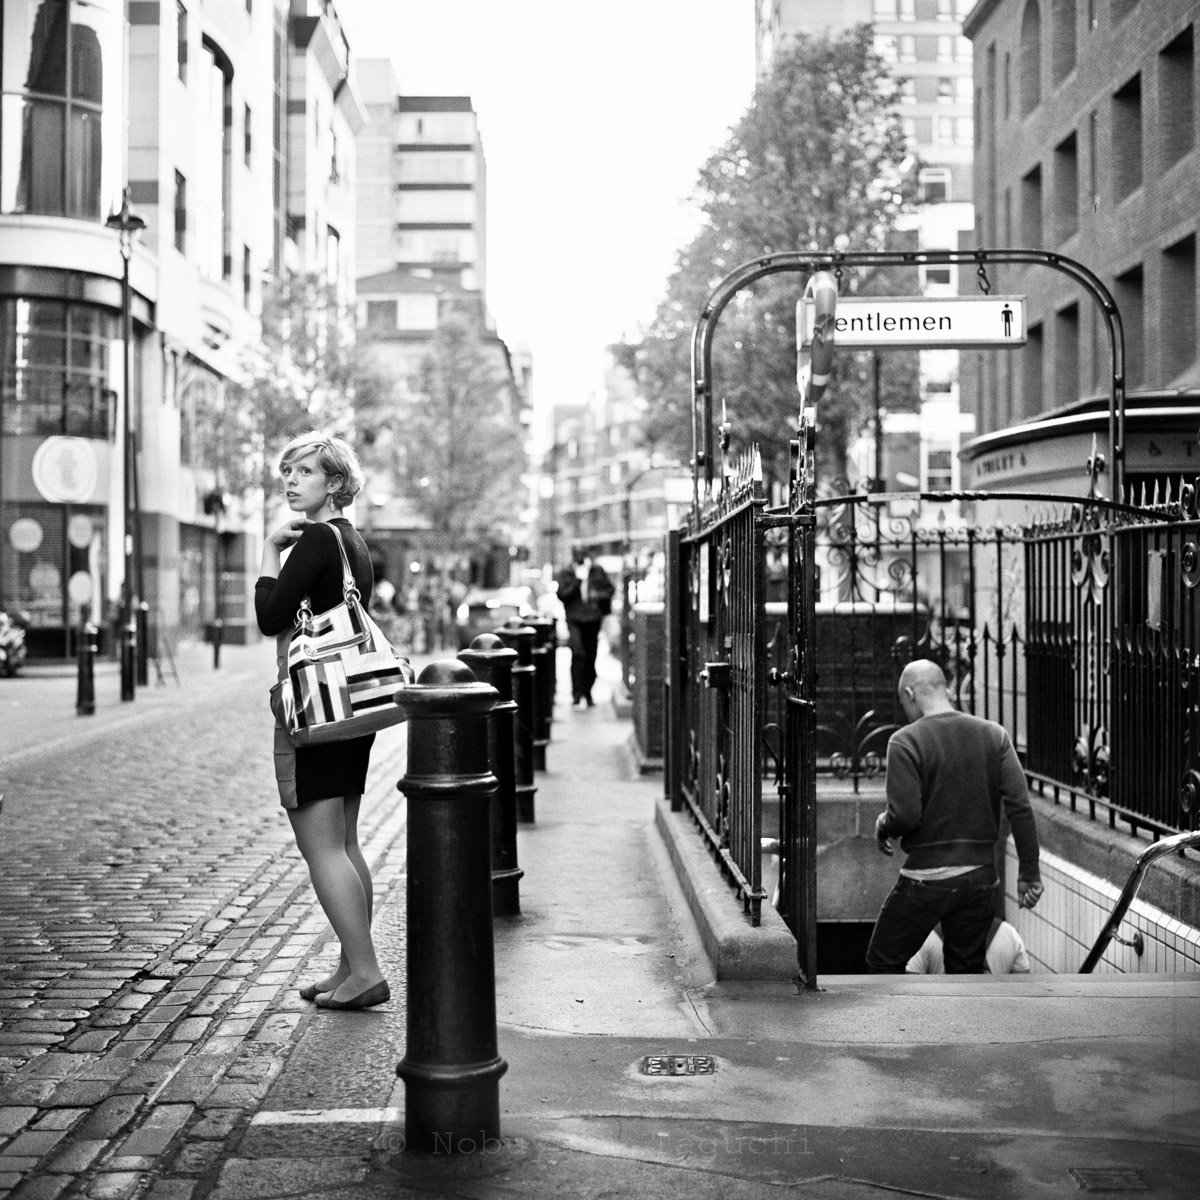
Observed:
{"x":321,"y":787}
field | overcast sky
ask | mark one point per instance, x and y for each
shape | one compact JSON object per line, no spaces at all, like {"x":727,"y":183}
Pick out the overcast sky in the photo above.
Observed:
{"x":595,"y":120}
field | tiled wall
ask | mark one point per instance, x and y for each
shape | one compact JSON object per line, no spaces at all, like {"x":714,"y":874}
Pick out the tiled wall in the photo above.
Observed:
{"x":1064,"y":926}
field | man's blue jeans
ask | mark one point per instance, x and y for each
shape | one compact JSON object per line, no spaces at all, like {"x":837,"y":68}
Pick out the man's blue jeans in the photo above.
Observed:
{"x":964,"y":904}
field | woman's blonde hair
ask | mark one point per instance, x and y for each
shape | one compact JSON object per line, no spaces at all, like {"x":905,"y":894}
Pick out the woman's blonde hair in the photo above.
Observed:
{"x":336,"y":457}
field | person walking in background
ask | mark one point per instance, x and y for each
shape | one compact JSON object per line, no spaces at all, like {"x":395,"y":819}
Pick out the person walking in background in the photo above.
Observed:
{"x":321,"y":787}
{"x":585,"y":589}
{"x":949,"y":774}
{"x":1006,"y":953}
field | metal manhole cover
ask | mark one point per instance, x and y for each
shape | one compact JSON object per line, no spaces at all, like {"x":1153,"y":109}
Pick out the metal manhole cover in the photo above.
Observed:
{"x":679,"y":1064}
{"x":1108,"y":1179}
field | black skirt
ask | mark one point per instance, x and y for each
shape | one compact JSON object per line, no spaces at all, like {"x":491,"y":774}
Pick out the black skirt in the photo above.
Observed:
{"x":334,"y":769}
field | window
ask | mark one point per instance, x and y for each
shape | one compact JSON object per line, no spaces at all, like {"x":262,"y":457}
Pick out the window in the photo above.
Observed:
{"x":908,"y":10}
{"x":964,"y":51}
{"x":417,"y":310}
{"x":1066,"y":188}
{"x":1129,"y":294}
{"x":55,"y":369}
{"x":1031,"y":209}
{"x":887,"y":49}
{"x":450,"y":206}
{"x":1094,"y":159}
{"x":247,"y":136}
{"x":1031,"y":58}
{"x":1179,"y":301}
{"x":933,"y":184}
{"x":61,"y":116}
{"x":1066,"y":355}
{"x":181,"y":41}
{"x":246,"y":277}
{"x":213,"y":243}
{"x":945,"y":49}
{"x":908,"y":91}
{"x":945,"y":10}
{"x":180,"y":213}
{"x":1031,"y":373}
{"x":884,"y":10}
{"x":937,"y":277}
{"x":1007,"y":86}
{"x":1062,"y":38}
{"x":335,"y":174}
{"x":955,"y":131}
{"x":1127,"y":139}
{"x":437,"y":167}
{"x":908,"y":48}
{"x":1176,"y":99}
{"x":381,"y":316}
{"x":945,"y":90}
{"x":962,"y":89}
{"x":939,"y":469}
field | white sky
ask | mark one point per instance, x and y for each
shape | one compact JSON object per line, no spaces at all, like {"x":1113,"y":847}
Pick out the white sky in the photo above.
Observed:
{"x":596,"y":118}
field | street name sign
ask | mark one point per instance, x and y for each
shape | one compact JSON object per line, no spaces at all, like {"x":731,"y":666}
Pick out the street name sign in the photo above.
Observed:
{"x":979,"y":322}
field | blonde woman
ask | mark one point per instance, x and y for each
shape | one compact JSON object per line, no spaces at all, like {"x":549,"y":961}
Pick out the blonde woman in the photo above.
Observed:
{"x":321,"y":786}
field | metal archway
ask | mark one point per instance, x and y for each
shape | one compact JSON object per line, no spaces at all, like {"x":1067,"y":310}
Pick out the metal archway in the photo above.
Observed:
{"x":799,"y":261}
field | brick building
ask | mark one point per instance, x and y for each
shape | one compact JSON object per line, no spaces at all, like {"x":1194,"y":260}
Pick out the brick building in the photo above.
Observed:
{"x":1085,"y":116}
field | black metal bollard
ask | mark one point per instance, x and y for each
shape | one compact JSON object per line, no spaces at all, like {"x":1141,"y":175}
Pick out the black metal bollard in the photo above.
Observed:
{"x":143,"y":643}
{"x":451,"y":1066}
{"x":543,"y":671}
{"x":129,"y":639}
{"x":492,"y":663}
{"x":519,"y":637}
{"x":85,"y":692}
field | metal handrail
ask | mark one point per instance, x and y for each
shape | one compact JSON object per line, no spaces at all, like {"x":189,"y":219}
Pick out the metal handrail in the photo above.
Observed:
{"x":1180,"y":841}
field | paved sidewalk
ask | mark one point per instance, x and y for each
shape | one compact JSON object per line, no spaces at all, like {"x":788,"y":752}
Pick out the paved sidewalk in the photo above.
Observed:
{"x":922,"y":1087}
{"x":929,"y":1086}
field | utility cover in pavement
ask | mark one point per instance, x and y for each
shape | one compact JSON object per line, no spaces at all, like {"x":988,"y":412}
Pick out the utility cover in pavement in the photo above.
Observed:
{"x":1109,"y":1179}
{"x":679,"y":1064}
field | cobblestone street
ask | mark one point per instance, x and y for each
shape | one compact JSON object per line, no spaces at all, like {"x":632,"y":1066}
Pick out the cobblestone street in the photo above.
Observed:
{"x":154,"y":918}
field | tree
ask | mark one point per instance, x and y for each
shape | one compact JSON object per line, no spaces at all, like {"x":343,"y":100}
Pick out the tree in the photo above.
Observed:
{"x":816,"y":163}
{"x":301,"y":374}
{"x":457,"y":445}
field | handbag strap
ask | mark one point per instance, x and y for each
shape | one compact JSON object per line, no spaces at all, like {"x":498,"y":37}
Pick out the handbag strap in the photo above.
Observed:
{"x":350,"y":590}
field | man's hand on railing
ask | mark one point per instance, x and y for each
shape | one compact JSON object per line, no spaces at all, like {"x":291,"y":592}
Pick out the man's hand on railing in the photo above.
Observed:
{"x":1028,"y":894}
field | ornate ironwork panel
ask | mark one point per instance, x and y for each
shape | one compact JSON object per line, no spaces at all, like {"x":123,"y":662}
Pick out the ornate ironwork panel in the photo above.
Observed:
{"x":719,"y":647}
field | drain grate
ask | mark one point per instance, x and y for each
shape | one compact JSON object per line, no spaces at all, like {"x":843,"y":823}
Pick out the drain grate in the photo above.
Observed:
{"x":679,"y":1064}
{"x":1109,"y":1179}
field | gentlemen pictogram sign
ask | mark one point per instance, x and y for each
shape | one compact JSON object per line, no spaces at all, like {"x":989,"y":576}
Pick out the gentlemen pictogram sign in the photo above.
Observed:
{"x":923,"y":321}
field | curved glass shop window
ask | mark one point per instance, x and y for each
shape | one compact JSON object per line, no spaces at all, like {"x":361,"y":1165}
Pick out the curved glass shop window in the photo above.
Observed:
{"x":55,"y":369}
{"x":61,"y":78}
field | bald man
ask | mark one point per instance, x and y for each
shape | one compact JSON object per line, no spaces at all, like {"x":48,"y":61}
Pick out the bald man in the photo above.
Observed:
{"x":949,"y":775}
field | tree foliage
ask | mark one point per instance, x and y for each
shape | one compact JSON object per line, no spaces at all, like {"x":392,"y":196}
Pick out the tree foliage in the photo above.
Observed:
{"x":816,"y":163}
{"x":301,"y":374}
{"x":455,"y":446}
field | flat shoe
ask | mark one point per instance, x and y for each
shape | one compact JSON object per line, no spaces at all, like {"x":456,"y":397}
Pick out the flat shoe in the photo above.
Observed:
{"x":379,"y":993}
{"x":309,"y":992}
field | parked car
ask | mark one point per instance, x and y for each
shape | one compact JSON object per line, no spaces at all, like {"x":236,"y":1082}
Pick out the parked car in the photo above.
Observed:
{"x":485,"y":609}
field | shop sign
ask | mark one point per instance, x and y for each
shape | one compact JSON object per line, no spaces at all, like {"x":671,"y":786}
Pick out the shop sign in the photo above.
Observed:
{"x":65,"y":470}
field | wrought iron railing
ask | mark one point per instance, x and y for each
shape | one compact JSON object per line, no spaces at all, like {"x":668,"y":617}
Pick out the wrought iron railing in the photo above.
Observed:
{"x":721,"y":681}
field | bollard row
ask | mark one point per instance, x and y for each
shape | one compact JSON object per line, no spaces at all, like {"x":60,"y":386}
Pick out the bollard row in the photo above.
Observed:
{"x":451,"y":1066}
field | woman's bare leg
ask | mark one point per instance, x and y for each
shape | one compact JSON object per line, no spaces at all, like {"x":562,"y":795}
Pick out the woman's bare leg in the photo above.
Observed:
{"x":321,"y":830}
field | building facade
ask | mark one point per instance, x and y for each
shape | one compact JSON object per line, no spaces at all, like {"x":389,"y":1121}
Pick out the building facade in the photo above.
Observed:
{"x":231,"y":125}
{"x":1086,"y":124}
{"x":422,"y":252}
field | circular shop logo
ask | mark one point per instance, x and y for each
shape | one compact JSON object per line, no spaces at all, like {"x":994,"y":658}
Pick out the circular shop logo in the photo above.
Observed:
{"x":64,"y":470}
{"x":25,"y":534}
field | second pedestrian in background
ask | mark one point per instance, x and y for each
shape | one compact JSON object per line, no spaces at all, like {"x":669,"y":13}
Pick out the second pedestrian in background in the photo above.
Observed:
{"x":585,"y":590}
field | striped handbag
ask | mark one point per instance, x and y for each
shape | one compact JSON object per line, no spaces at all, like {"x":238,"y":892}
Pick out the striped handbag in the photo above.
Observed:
{"x":339,"y":673}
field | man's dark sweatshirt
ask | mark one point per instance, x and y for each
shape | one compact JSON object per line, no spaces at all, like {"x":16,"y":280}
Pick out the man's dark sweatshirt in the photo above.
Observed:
{"x":948,"y":774}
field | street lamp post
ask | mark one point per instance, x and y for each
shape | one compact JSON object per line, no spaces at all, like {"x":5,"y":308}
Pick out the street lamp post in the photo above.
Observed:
{"x":127,"y":223}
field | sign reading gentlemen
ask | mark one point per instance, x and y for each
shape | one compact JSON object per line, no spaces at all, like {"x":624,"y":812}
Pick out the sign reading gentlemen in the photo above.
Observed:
{"x":922,"y":321}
